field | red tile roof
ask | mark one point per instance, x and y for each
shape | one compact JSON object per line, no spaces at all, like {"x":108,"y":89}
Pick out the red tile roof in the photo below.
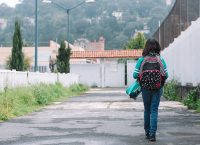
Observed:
{"x":107,"y":54}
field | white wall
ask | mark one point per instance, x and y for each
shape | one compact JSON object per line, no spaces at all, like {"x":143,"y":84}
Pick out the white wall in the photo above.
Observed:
{"x":183,"y":56}
{"x":107,"y":74}
{"x":89,"y":74}
{"x":114,"y":74}
{"x":16,"y":78}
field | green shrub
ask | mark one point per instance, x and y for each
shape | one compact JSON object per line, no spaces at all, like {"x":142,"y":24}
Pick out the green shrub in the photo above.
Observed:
{"x":192,"y":101}
{"x":41,"y":94}
{"x":78,"y":88}
{"x":3,"y":116}
{"x":22,"y":100}
{"x":171,"y":91}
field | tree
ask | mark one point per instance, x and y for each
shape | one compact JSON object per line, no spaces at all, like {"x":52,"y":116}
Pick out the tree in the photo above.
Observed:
{"x":68,"y":59}
{"x":27,"y":63}
{"x":17,"y":56}
{"x":63,"y":57}
{"x":89,"y":21}
{"x":138,"y":42}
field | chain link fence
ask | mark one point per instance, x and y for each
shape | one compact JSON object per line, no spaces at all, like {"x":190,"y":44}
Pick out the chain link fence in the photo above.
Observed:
{"x":179,"y":19}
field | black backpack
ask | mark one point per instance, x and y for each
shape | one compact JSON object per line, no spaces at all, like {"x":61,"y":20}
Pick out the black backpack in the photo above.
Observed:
{"x":152,"y":74}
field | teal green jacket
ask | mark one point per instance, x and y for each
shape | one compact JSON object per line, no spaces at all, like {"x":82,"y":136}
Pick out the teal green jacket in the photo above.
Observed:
{"x":139,"y":62}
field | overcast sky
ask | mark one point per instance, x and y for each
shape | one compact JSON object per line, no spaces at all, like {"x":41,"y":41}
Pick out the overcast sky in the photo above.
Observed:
{"x":10,"y":3}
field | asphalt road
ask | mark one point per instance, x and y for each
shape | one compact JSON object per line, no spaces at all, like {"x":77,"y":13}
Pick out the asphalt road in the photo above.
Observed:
{"x":101,"y":117}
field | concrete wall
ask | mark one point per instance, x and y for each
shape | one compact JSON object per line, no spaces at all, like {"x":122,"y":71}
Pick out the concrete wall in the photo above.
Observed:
{"x":89,"y":74}
{"x":114,"y":74}
{"x":12,"y":79}
{"x":182,"y":56}
{"x":109,"y":73}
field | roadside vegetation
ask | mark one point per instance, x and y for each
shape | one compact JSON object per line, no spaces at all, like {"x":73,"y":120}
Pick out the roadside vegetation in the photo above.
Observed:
{"x":171,"y":91}
{"x":22,"y":100}
{"x":192,"y":100}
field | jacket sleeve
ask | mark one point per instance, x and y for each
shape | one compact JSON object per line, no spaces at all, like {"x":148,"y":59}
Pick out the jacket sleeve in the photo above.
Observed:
{"x":137,"y":67}
{"x":165,"y":67}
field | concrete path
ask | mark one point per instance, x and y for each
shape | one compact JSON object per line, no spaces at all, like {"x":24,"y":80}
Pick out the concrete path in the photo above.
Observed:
{"x":101,"y":117}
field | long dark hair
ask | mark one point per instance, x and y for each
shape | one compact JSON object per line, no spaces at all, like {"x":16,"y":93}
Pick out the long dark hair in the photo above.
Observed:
{"x":152,"y":46}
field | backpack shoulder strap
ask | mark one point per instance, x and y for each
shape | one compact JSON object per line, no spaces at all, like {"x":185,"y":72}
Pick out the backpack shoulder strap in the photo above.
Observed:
{"x":161,"y":65}
{"x":142,"y":64}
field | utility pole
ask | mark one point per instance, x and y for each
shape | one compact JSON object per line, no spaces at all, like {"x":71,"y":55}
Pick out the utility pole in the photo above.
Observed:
{"x":36,"y":34}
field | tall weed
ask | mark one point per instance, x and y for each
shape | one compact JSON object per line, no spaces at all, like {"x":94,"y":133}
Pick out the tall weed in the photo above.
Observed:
{"x":171,"y":91}
{"x":192,"y":101}
{"x":22,"y":100}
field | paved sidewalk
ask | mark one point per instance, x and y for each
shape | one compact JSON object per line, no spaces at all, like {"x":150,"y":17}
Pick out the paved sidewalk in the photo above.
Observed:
{"x":101,"y":117}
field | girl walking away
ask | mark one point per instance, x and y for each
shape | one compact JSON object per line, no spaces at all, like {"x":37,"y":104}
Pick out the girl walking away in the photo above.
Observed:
{"x":151,"y":72}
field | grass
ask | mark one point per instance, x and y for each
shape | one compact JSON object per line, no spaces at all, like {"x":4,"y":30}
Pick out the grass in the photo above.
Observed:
{"x":192,"y":101}
{"x":171,"y":91}
{"x":22,"y":100}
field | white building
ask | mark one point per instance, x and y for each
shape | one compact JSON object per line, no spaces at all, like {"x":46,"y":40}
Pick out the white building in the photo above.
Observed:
{"x":117,"y":15}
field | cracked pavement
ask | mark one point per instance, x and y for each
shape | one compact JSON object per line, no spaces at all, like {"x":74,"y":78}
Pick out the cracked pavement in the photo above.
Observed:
{"x":101,"y":117}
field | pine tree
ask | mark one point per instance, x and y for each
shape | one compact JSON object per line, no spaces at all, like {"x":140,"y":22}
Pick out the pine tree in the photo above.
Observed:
{"x":17,"y":56}
{"x":68,"y":59}
{"x":63,"y":57}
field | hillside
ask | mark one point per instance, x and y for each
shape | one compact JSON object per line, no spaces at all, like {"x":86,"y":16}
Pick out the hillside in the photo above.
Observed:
{"x":116,"y":20}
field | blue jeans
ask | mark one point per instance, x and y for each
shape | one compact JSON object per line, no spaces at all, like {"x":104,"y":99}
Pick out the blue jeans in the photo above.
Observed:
{"x":151,"y":100}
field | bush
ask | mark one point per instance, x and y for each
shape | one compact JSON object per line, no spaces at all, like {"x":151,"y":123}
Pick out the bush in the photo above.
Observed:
{"x":171,"y":91}
{"x":47,"y":93}
{"x":3,"y":116}
{"x":192,"y":101}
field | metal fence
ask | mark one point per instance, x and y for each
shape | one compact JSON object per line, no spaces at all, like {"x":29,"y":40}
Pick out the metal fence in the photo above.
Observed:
{"x":179,"y":19}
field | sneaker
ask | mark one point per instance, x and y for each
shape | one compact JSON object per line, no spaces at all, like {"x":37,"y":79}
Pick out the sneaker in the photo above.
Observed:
{"x":147,"y":135}
{"x":152,"y":138}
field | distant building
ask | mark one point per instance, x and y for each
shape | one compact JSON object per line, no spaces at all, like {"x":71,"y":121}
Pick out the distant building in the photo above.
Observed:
{"x":49,"y":53}
{"x":117,"y":15}
{"x":91,"y":45}
{"x":43,"y":56}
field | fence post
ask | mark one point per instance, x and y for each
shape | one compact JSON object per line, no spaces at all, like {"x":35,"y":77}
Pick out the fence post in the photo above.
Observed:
{"x":58,"y":80}
{"x":27,"y":79}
